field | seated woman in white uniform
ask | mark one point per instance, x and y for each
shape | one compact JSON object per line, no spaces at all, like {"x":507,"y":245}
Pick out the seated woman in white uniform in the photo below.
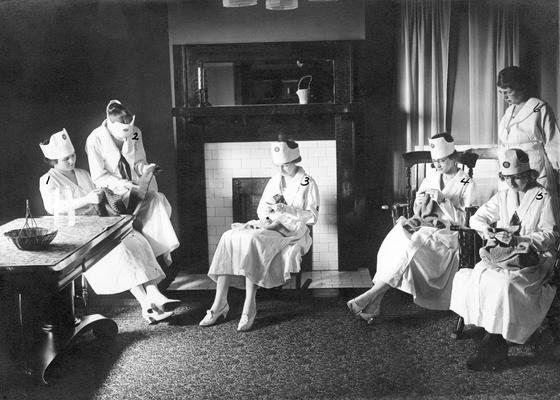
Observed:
{"x":260,"y":252}
{"x":117,"y":160}
{"x":509,"y":299}
{"x":129,"y":266}
{"x":420,"y":256}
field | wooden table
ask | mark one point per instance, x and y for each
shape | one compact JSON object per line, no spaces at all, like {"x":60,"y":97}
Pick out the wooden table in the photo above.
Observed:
{"x":37,"y":318}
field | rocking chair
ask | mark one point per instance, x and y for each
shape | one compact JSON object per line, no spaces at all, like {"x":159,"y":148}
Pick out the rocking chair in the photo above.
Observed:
{"x":416,"y":161}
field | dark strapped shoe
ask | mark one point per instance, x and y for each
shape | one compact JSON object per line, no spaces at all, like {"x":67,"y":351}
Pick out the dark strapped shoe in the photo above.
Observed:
{"x":490,"y":355}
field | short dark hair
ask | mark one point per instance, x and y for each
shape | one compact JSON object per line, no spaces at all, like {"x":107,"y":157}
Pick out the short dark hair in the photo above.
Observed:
{"x":119,"y":112}
{"x":46,"y":160}
{"x":50,"y":162}
{"x":292,"y":144}
{"x":447,"y":136}
{"x":514,"y":78}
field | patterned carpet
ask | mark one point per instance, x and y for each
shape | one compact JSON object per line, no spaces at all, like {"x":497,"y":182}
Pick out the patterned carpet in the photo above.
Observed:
{"x":303,"y":346}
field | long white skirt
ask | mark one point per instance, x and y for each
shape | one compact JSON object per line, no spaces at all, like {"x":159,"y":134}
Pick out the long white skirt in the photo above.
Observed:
{"x":154,"y":223}
{"x":265,"y":257}
{"x":130,"y":264}
{"x":422,"y":264}
{"x":512,"y":303}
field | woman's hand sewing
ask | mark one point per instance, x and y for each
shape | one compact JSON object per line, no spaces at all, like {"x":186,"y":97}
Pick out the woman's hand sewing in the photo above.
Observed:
{"x":487,"y":232}
{"x":436,"y":195}
{"x":276,"y":208}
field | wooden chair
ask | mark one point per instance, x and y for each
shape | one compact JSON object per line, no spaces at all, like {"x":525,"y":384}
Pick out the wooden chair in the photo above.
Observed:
{"x":471,"y":248}
{"x":416,"y":162}
{"x":247,"y":193}
{"x":470,"y":243}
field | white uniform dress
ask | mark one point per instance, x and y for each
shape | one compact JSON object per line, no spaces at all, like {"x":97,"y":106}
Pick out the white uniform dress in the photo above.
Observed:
{"x":153,"y":216}
{"x":423,"y":263}
{"x":511,"y":302}
{"x":130,"y":264}
{"x":534,"y":130}
{"x":267,"y":257}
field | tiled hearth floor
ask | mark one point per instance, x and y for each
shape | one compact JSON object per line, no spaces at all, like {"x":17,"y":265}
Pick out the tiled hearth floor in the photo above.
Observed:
{"x":320,"y":280}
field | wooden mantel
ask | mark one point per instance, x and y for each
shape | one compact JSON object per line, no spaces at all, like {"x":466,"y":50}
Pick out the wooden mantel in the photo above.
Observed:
{"x":264,"y":109}
{"x":338,"y":120}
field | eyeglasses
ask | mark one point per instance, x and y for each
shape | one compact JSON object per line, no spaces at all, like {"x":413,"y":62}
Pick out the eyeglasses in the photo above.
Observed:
{"x":517,"y":177}
{"x":440,"y":160}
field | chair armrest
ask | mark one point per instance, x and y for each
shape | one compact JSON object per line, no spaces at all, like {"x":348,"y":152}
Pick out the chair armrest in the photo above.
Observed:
{"x":461,"y":228}
{"x":470,"y":243}
{"x":398,"y":210}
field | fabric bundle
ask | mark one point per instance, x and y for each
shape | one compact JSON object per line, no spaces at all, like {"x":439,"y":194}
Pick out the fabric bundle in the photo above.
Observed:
{"x":519,"y":256}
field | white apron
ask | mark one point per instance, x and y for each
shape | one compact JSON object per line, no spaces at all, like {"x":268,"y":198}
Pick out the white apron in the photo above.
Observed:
{"x":130,"y":264}
{"x":153,"y":217}
{"x":423,"y":263}
{"x":266,"y":257}
{"x":510,"y":302}
{"x":535,"y":131}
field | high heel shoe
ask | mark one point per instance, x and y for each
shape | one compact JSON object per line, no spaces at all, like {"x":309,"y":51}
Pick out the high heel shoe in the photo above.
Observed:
{"x":167,"y":304}
{"x":370,"y":317}
{"x":211,"y":316}
{"x":246,"y":322}
{"x":153,"y":317}
{"x":354,"y":307}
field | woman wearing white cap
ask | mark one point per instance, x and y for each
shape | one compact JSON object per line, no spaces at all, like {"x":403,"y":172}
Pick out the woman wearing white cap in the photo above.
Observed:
{"x":258,"y":253}
{"x":509,"y":299}
{"x":528,"y":124}
{"x":117,"y":160}
{"x":422,"y":258}
{"x":129,"y":266}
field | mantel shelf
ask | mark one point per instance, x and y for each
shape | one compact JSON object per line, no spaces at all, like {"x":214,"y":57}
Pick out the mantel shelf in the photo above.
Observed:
{"x":266,"y":109}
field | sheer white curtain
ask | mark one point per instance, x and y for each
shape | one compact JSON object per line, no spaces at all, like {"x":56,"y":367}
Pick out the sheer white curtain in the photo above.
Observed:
{"x":422,"y":76}
{"x":493,"y":34}
{"x":424,"y":79}
{"x":422,"y":68}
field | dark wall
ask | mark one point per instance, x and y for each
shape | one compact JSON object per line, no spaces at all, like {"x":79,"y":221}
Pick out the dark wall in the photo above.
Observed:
{"x":375,"y":70}
{"x":539,"y":48}
{"x":61,"y":62}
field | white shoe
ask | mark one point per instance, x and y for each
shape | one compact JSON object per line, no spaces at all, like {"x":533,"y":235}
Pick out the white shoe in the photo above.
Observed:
{"x":370,"y":317}
{"x":246,"y":322}
{"x":354,"y":307}
{"x":153,"y":316}
{"x":212,"y":317}
{"x":166,"y":304}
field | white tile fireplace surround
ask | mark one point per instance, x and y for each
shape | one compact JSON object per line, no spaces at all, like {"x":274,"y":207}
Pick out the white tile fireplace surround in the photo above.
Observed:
{"x":225,"y":161}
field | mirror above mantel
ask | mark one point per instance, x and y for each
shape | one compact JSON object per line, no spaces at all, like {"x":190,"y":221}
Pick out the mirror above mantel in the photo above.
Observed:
{"x":249,"y":74}
{"x":249,"y":82}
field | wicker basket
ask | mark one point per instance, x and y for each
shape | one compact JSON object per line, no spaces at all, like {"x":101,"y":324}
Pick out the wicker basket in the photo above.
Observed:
{"x":31,"y":238}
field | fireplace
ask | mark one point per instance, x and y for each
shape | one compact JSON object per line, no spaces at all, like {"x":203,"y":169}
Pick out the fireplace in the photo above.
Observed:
{"x":225,"y":162}
{"x":217,"y":143}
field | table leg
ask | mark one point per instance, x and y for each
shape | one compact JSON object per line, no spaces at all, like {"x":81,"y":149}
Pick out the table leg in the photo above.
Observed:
{"x":56,"y":341}
{"x":59,"y":331}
